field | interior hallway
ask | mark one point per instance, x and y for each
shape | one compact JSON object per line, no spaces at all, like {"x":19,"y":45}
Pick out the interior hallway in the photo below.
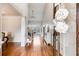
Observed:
{"x":36,"y":48}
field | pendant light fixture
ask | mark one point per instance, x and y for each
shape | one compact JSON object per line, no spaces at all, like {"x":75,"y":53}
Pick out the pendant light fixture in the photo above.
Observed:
{"x":61,"y":27}
{"x":60,"y":16}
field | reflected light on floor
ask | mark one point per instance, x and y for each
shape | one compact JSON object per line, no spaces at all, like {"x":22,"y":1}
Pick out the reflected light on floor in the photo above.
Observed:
{"x":36,"y":41}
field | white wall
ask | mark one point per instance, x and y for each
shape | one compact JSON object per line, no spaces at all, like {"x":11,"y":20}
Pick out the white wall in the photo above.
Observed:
{"x":23,"y":40}
{"x":12,"y":24}
{"x":48,"y":17}
{"x":15,"y":24}
{"x":68,"y":40}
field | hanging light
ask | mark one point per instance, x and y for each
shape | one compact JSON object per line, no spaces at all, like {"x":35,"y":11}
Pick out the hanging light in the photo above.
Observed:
{"x":61,"y":27}
{"x":61,"y":14}
{"x":54,"y":22}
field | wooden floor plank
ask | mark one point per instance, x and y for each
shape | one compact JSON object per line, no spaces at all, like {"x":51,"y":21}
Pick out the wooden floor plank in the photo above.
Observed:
{"x":37,"y":48}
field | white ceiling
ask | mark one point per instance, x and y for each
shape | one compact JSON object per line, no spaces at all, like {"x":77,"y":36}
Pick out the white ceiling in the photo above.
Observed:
{"x":36,"y":12}
{"x":22,"y":8}
{"x":38,"y":9}
{"x":8,"y":10}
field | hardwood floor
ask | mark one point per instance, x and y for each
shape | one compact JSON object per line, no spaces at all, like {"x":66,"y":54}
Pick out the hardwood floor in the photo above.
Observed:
{"x":36,"y":48}
{"x":13,"y":49}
